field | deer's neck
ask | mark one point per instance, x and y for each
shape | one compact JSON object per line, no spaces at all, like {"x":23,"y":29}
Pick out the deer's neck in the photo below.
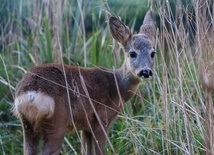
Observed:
{"x":127,"y":82}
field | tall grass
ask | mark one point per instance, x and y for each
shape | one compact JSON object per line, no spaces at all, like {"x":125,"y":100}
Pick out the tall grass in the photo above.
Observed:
{"x":166,"y":116}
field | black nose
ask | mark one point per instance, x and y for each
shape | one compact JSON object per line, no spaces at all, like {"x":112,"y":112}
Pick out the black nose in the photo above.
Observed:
{"x":145,"y":73}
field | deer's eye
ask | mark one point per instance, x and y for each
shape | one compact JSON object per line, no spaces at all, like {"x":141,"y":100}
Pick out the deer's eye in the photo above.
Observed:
{"x":133,"y":54}
{"x":152,"y":54}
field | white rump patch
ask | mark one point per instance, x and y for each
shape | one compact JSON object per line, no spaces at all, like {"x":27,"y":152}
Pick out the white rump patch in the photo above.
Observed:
{"x":34,"y":105}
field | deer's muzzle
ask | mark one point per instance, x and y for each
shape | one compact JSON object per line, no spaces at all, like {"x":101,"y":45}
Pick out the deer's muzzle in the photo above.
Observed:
{"x":146,"y":73}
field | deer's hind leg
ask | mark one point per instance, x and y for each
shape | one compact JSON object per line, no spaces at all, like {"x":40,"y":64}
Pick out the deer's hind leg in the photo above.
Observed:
{"x":53,"y":132}
{"x":53,"y":140}
{"x":31,"y":138}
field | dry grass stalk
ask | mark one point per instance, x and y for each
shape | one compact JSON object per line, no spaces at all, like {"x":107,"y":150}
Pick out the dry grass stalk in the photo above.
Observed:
{"x":205,"y":42}
{"x":57,"y":30}
{"x":53,"y":13}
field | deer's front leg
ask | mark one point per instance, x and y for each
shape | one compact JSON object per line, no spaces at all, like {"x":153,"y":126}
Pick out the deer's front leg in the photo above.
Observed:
{"x":87,"y":143}
{"x":99,"y":141}
{"x":93,"y":142}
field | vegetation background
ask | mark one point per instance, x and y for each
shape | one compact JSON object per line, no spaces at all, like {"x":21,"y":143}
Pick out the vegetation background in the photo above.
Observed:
{"x":171,"y":114}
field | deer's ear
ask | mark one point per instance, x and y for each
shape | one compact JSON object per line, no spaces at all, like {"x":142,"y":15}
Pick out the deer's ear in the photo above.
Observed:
{"x":148,"y":27}
{"x":119,"y":31}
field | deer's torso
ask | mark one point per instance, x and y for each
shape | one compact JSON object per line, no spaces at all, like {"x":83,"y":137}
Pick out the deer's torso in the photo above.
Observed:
{"x":85,"y":86}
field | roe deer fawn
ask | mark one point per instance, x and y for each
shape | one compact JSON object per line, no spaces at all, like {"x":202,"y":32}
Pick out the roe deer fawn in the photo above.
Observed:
{"x":54,"y":99}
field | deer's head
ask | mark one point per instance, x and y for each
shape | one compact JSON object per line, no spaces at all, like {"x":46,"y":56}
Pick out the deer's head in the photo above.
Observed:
{"x":138,"y":48}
